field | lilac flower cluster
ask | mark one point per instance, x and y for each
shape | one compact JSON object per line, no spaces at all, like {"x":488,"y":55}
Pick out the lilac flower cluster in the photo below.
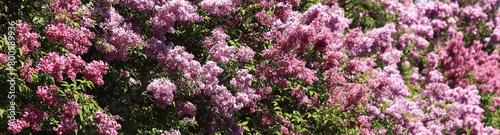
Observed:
{"x":186,"y":108}
{"x":95,"y":70}
{"x":28,"y":70}
{"x":175,"y":10}
{"x":48,"y":94}
{"x":220,"y":7}
{"x":171,"y":132}
{"x":3,"y":59}
{"x":55,"y":65}
{"x":68,"y":123}
{"x":31,"y":116}
{"x":76,"y":40}
{"x":28,"y":41}
{"x":221,"y":52}
{"x":66,"y":126}
{"x":246,"y":95}
{"x":106,"y":124}
{"x":163,"y":91}
{"x":217,"y":46}
{"x":119,"y":35}
{"x":61,"y":8}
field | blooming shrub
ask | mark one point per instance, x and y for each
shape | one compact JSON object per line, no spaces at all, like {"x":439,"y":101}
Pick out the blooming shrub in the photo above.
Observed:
{"x":250,"y":67}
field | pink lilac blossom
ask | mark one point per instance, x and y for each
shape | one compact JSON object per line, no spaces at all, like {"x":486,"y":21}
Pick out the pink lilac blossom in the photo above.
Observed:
{"x":220,"y":7}
{"x":186,"y":108}
{"x":66,"y":126}
{"x":3,"y":59}
{"x":495,"y":36}
{"x":245,"y":53}
{"x":496,"y":101}
{"x":226,"y":102}
{"x":246,"y":97}
{"x":48,"y":94}
{"x":132,"y":82}
{"x":106,"y":124}
{"x":439,"y":24}
{"x":27,"y":40}
{"x":392,"y":57}
{"x":404,"y":40}
{"x":171,"y":132}
{"x":142,"y":5}
{"x":211,"y":71}
{"x":17,"y":126}
{"x":336,"y":20}
{"x":176,"y":58}
{"x":300,"y":96}
{"x":421,"y":43}
{"x":333,"y":59}
{"x":88,"y":11}
{"x":243,"y":79}
{"x":382,"y":37}
{"x":175,"y":10}
{"x":474,"y":13}
{"x":119,"y":35}
{"x":456,"y":61}
{"x":424,"y":31}
{"x":292,"y":66}
{"x":62,"y":7}
{"x":95,"y":71}
{"x":432,"y":61}
{"x":265,"y":119}
{"x":358,"y":43}
{"x":218,"y":47}
{"x":487,"y":73}
{"x":491,"y":109}
{"x":435,"y":9}
{"x":72,"y":108}
{"x":434,"y":76}
{"x":28,"y":70}
{"x":124,"y":73}
{"x":74,"y":63}
{"x":348,"y":96}
{"x":163,"y":91}
{"x":356,"y":65}
{"x":76,"y":40}
{"x":31,"y":117}
{"x":265,"y":18}
{"x":53,"y":64}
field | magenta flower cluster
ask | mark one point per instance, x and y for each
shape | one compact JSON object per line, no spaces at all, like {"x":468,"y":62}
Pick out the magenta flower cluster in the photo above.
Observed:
{"x":95,"y":70}
{"x":28,"y":41}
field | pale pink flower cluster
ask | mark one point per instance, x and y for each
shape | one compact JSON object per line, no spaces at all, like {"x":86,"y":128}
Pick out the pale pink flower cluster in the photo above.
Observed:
{"x":171,"y":132}
{"x":106,"y":124}
{"x":163,"y":91}
{"x":220,"y":7}
{"x":118,"y":36}
{"x":172,"y":11}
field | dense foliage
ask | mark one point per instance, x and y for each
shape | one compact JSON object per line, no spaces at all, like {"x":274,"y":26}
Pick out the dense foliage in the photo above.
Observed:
{"x":254,"y":67}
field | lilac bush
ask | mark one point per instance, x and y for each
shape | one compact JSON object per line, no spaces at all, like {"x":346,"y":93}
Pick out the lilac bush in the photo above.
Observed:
{"x":251,"y":67}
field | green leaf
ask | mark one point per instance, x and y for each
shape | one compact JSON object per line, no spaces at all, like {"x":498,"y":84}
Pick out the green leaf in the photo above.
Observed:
{"x":243,"y":123}
{"x":2,"y":111}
